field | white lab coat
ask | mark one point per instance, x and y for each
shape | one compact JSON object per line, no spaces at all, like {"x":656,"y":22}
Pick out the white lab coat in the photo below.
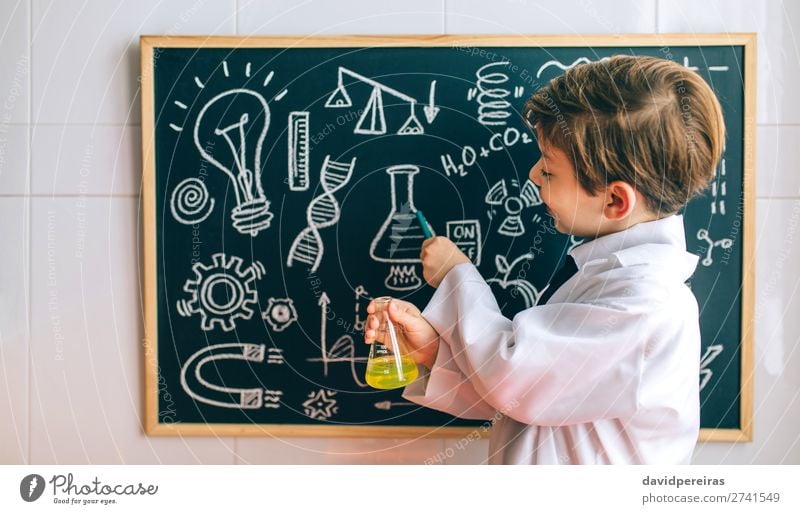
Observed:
{"x":606,"y":372}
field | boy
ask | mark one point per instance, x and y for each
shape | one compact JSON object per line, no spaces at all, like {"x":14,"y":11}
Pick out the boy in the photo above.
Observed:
{"x":606,"y":369}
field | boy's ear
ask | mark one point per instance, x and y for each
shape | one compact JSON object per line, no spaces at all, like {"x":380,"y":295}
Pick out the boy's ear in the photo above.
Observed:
{"x":620,"y":200}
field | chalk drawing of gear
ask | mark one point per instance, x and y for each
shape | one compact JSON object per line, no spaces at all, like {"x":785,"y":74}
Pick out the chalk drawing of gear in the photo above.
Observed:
{"x":280,"y":313}
{"x":221,"y":292}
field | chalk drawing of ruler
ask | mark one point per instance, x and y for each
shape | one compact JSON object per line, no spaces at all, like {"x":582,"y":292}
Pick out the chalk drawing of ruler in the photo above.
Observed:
{"x":298,"y":151}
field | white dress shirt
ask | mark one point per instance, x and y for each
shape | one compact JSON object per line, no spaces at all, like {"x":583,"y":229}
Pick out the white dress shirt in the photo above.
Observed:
{"x":605,"y":372}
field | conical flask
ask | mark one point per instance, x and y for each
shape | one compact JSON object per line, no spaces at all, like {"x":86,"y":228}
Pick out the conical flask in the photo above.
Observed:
{"x":389,"y":365}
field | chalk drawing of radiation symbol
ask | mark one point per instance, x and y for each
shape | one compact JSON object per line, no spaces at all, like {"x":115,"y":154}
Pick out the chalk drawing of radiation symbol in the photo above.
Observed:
{"x":226,"y":396}
{"x":221,"y":292}
{"x":513,"y":204}
{"x":190,"y":202}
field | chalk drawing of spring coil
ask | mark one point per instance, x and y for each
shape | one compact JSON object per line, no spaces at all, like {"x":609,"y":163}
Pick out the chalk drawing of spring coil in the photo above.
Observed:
{"x":493,"y":108}
{"x":322,"y":212}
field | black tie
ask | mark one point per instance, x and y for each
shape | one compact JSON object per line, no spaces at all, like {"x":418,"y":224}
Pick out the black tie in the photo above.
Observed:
{"x":562,"y":275}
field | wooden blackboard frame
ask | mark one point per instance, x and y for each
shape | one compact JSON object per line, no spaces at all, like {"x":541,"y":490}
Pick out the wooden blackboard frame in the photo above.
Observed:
{"x":148,"y":46}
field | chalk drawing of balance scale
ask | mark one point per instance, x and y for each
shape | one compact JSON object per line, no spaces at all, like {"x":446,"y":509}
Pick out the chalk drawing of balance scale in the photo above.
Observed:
{"x":399,"y":240}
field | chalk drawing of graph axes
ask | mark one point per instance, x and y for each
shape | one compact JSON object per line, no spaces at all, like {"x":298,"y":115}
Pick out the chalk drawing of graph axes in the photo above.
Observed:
{"x":248,"y":398}
{"x":373,"y":114}
{"x":343,"y":350}
{"x":358,"y":323}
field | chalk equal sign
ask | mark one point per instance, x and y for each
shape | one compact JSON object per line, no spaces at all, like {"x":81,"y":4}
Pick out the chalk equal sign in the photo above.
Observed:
{"x":322,"y":212}
{"x":298,"y":151}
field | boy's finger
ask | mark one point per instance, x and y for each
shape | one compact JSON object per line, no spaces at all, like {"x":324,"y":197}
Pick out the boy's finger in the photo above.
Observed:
{"x":400,"y":314}
{"x":372,"y":322}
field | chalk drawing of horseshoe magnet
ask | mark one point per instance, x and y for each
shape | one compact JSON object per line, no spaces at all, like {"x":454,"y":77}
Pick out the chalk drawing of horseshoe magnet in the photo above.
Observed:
{"x":194,"y":384}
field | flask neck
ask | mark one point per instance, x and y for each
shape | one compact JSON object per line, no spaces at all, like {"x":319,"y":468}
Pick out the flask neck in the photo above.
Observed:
{"x":402,"y":183}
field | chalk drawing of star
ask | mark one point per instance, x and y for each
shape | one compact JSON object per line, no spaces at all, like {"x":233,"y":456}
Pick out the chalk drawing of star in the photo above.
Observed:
{"x":320,"y":405}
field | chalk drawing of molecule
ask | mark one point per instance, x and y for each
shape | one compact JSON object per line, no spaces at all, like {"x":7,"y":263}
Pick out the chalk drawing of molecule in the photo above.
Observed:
{"x":725,"y":244}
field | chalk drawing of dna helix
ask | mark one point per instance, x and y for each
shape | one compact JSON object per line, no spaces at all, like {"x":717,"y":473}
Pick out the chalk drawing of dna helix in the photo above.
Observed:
{"x":322,"y":212}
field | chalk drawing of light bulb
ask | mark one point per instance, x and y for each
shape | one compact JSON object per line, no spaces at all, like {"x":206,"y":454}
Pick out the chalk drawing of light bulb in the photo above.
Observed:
{"x":229,"y":133}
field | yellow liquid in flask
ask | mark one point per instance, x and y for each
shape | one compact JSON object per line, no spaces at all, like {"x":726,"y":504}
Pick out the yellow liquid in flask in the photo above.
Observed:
{"x":383,"y":373}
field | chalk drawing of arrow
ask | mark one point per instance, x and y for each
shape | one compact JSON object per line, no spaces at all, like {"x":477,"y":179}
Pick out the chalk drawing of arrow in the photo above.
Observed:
{"x":323,"y":303}
{"x":431,"y":110}
{"x":708,"y":357}
{"x":386,"y":405}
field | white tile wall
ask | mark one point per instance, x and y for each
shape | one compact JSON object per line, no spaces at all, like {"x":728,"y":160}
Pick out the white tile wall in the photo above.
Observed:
{"x":82,"y":356}
{"x":14,"y":333}
{"x":86,"y":58}
{"x":323,"y":17}
{"x":545,"y":17}
{"x":776,"y":410}
{"x":15,"y":61}
{"x":461,"y":451}
{"x":335,"y":451}
{"x":776,"y":23}
{"x":86,"y":159}
{"x":14,"y":155}
{"x":86,"y":354}
{"x":778,"y":156}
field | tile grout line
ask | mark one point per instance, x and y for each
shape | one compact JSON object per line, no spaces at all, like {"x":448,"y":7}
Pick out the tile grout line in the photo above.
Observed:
{"x":444,"y":17}
{"x":73,"y":124}
{"x":71,"y":195}
{"x":29,"y":181}
{"x":656,"y":17}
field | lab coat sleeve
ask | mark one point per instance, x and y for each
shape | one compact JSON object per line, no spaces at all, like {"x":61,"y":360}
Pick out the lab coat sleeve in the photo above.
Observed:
{"x":445,"y":388}
{"x":555,"y":364}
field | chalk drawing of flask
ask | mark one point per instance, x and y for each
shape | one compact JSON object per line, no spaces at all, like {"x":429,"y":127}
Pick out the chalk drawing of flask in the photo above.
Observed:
{"x":399,"y":240}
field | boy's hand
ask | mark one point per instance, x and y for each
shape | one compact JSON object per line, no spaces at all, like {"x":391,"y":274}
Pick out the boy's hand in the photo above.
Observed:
{"x":439,"y":255}
{"x":422,"y":338}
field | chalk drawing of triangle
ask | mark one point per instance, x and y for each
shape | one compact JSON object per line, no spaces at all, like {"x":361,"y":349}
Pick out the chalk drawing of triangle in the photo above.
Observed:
{"x":512,"y":226}
{"x":373,"y":115}
{"x":411,"y":126}
{"x":339,"y":98}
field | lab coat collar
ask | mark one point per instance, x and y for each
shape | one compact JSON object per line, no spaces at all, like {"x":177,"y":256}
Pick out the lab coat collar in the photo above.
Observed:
{"x":652,"y":241}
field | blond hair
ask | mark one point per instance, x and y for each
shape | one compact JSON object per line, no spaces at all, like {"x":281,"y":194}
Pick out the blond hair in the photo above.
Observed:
{"x":646,"y":121}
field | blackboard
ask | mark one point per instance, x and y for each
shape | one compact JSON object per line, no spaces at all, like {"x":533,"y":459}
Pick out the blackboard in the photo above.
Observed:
{"x":260,"y":257}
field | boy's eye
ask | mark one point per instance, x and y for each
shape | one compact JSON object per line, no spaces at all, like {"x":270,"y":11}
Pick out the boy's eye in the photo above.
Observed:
{"x":546,"y":174}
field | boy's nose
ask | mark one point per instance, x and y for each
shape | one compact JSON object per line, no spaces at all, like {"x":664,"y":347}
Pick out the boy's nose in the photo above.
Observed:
{"x":534,"y":176}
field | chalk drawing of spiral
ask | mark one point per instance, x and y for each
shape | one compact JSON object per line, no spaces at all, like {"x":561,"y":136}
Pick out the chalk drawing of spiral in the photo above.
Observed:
{"x":190,"y":202}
